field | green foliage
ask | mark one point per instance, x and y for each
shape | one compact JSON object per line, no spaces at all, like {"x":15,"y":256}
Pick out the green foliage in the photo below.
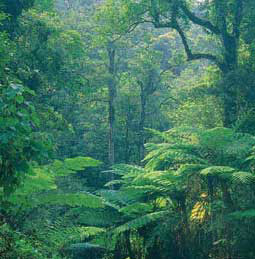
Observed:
{"x":44,"y":179}
{"x":16,"y":245}
{"x":20,"y":142}
{"x":194,"y":195}
{"x":15,"y":8}
{"x":133,"y":210}
{"x":72,"y":200}
{"x":100,"y":217}
{"x":241,"y":215}
{"x":141,"y":222}
{"x":40,"y":193}
{"x":195,"y":177}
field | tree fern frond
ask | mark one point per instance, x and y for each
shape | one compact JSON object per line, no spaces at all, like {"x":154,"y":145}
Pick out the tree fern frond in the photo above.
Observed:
{"x":227,"y":142}
{"x":156,"y":150}
{"x":162,"y":135}
{"x":142,"y":191}
{"x":141,"y":221}
{"x":95,"y":217}
{"x":113,"y":182}
{"x":124,"y":169}
{"x":240,"y":215}
{"x":190,"y":169}
{"x":135,"y":209}
{"x":172,"y":158}
{"x":72,"y":165}
{"x":147,"y":178}
{"x":243,"y":178}
{"x":69,"y":199}
{"x":114,"y":197}
{"x":223,"y":172}
{"x":78,"y":233}
{"x":40,"y":181}
{"x":184,"y":134}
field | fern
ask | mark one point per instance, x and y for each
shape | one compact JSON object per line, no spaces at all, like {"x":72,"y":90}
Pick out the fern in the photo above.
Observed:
{"x":72,"y":165}
{"x":141,"y":221}
{"x":192,"y":177}
{"x":38,"y":187}
{"x":190,"y":169}
{"x":240,"y":215}
{"x":223,"y":172}
{"x":135,"y":209}
{"x":72,"y":200}
{"x":230,"y":174}
{"x":243,"y":178}
{"x":105,"y":217}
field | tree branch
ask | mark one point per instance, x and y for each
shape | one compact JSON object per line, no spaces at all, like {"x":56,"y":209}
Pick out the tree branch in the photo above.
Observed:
{"x":199,"y":21}
{"x":238,"y":18}
{"x":173,"y":23}
{"x":221,"y":16}
{"x":190,"y":55}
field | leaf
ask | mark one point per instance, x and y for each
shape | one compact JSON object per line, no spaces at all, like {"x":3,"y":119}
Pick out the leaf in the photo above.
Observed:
{"x":72,"y":199}
{"x":19,"y":99}
{"x":80,"y":163}
{"x":141,"y":221}
{"x":224,"y":172}
{"x":243,"y":178}
{"x":240,"y":215}
{"x":136,"y":209}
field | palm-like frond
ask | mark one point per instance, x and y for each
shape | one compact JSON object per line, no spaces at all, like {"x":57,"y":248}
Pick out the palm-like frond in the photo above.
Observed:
{"x":141,"y":221}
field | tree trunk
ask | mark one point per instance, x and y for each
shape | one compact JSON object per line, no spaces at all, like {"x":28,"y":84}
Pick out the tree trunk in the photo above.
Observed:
{"x":112,"y":95}
{"x":142,"y":122}
{"x":127,"y":148}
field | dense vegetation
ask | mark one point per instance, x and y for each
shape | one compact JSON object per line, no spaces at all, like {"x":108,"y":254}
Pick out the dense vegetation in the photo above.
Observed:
{"x":127,"y":129}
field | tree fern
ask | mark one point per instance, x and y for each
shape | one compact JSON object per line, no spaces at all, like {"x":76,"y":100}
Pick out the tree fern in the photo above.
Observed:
{"x":72,"y":200}
{"x":40,"y":186}
{"x":141,"y":221}
{"x":136,"y":209}
{"x":241,"y":215}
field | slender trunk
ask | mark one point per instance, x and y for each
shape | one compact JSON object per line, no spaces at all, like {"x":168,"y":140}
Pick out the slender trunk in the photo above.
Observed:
{"x":227,"y":197}
{"x":142,"y":122}
{"x":127,"y":236}
{"x":112,"y":95}
{"x":127,"y":137}
{"x":186,"y":228}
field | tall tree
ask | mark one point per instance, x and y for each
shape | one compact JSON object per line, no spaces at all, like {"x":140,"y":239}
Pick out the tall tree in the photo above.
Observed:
{"x":225,"y":22}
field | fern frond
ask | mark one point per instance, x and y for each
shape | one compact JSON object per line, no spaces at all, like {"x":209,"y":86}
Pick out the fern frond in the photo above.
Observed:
{"x":162,"y":135}
{"x":172,"y":159}
{"x":240,"y":215}
{"x":243,"y":178}
{"x":147,"y":178}
{"x":124,"y":169}
{"x":191,"y":169}
{"x":227,"y":143}
{"x":105,"y":217}
{"x":113,"y":182}
{"x":141,"y":221}
{"x":69,"y":199}
{"x":136,"y":209}
{"x":40,"y":180}
{"x":143,"y":190}
{"x":223,"y":172}
{"x":72,"y":165}
{"x":115,"y":197}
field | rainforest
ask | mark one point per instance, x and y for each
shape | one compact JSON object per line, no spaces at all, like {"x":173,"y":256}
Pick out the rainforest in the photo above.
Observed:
{"x":127,"y":129}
